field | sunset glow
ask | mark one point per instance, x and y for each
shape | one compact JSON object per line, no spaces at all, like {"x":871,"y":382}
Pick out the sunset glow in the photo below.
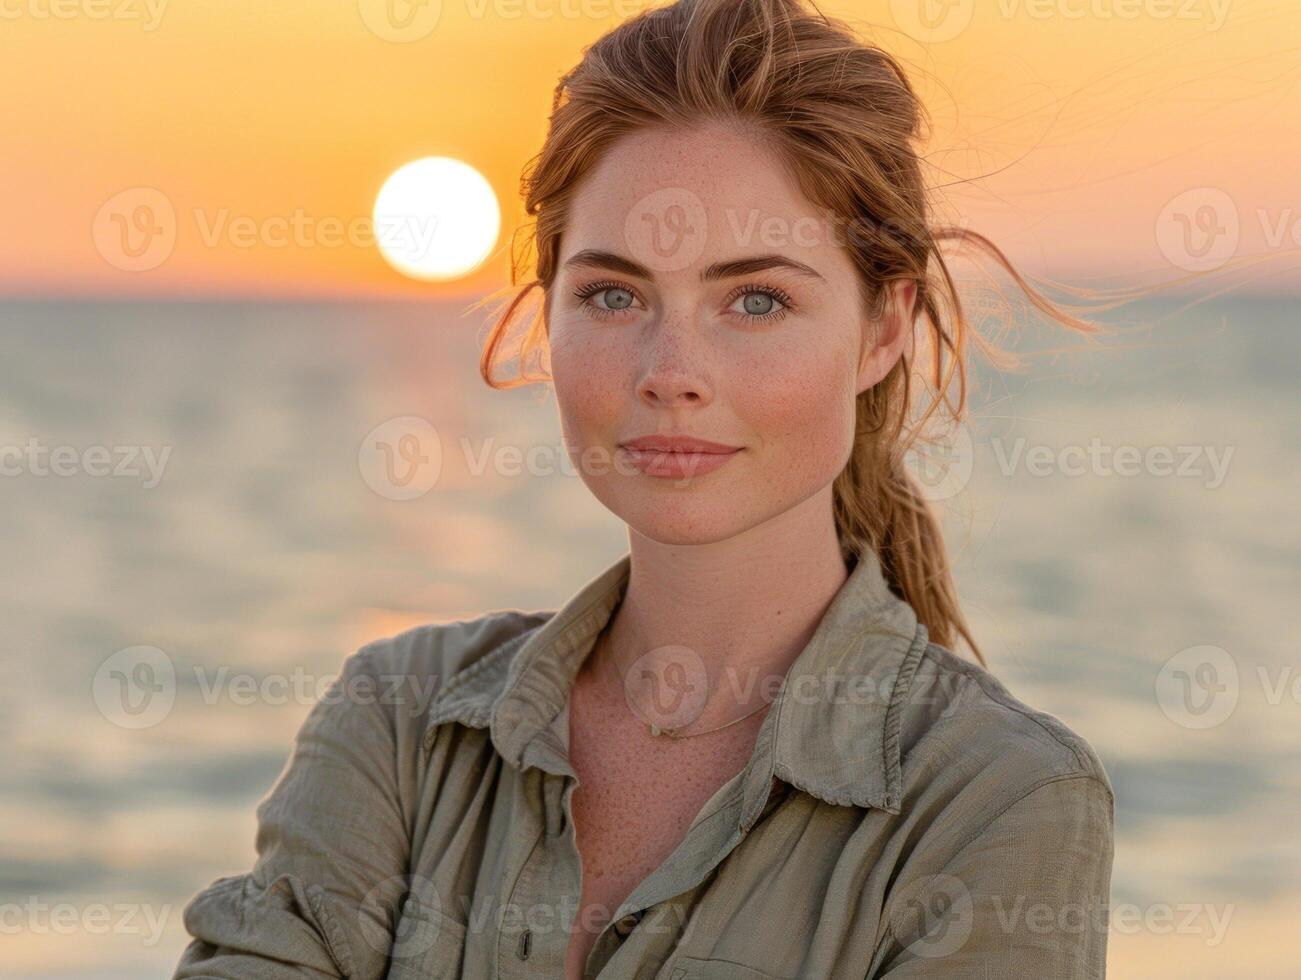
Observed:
{"x":436,"y":219}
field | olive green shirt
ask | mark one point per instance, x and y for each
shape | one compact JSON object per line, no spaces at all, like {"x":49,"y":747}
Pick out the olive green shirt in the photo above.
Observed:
{"x":902,"y":815}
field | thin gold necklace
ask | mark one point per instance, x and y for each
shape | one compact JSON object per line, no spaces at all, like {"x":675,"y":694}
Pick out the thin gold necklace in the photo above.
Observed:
{"x":656,"y":730}
{"x":673,"y":732}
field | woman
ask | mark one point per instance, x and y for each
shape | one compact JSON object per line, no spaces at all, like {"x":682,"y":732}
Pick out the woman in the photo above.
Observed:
{"x":746,"y":749}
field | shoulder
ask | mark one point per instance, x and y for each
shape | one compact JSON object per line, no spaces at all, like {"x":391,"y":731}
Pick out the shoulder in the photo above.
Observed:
{"x":966,"y":739}
{"x":1006,"y":819}
{"x":410,"y":668}
{"x":444,"y":649}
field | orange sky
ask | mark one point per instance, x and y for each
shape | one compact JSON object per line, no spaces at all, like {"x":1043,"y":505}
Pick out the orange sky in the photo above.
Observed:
{"x":1090,"y":126}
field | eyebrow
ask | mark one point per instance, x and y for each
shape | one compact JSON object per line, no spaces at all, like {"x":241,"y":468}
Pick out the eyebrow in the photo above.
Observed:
{"x":592,"y":258}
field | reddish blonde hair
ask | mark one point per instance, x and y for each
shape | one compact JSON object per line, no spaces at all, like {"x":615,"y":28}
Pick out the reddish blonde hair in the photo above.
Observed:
{"x":843,"y":117}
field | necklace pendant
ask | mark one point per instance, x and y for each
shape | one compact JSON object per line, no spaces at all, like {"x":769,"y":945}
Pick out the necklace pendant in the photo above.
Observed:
{"x":656,"y":730}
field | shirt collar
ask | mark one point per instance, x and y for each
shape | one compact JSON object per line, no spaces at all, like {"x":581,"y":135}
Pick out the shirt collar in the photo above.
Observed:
{"x":832,"y":731}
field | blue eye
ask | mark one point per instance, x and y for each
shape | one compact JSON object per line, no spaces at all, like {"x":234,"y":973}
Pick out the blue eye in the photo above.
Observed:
{"x":761,"y":303}
{"x":615,"y":298}
{"x":758,"y":304}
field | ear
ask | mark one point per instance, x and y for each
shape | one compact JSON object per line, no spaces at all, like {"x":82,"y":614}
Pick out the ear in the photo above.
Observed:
{"x":886,"y":338}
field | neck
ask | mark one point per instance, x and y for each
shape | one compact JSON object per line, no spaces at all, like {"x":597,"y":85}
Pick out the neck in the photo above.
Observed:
{"x":747,"y":605}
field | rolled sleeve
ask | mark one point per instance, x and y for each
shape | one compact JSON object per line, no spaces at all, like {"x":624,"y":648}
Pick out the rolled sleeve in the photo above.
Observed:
{"x":1027,"y":897}
{"x":332,"y":845}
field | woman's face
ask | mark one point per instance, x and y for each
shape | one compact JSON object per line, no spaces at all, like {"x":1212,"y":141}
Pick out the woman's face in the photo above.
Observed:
{"x":701,"y":298}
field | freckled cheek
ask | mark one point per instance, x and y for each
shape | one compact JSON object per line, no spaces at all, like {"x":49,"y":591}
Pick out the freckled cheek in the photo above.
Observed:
{"x":591,"y":379}
{"x":800,"y":410}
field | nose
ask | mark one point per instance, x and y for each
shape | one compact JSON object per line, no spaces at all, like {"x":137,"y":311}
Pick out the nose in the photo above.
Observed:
{"x":675,"y":372}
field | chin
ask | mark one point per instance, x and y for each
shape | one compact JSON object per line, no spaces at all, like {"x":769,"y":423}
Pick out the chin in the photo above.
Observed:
{"x":677,"y":516}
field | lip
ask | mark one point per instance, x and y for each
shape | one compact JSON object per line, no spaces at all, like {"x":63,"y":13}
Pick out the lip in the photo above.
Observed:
{"x":677,"y":444}
{"x":678,"y":457}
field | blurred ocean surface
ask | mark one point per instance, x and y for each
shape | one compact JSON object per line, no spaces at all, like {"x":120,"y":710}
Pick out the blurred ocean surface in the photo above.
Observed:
{"x":262,"y":553}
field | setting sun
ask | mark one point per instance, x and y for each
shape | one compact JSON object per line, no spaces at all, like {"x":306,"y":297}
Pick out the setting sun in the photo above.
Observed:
{"x":436,"y":219}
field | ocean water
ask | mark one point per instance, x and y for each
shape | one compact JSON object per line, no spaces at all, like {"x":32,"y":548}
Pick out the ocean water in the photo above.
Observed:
{"x":200,"y":491}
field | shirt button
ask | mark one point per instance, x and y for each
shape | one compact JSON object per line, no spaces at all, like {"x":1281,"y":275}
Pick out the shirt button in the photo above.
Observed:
{"x":525,"y":944}
{"x":626,"y":925}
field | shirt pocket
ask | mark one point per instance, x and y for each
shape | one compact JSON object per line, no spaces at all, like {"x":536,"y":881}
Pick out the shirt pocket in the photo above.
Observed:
{"x":692,"y":968}
{"x":427,"y":945}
